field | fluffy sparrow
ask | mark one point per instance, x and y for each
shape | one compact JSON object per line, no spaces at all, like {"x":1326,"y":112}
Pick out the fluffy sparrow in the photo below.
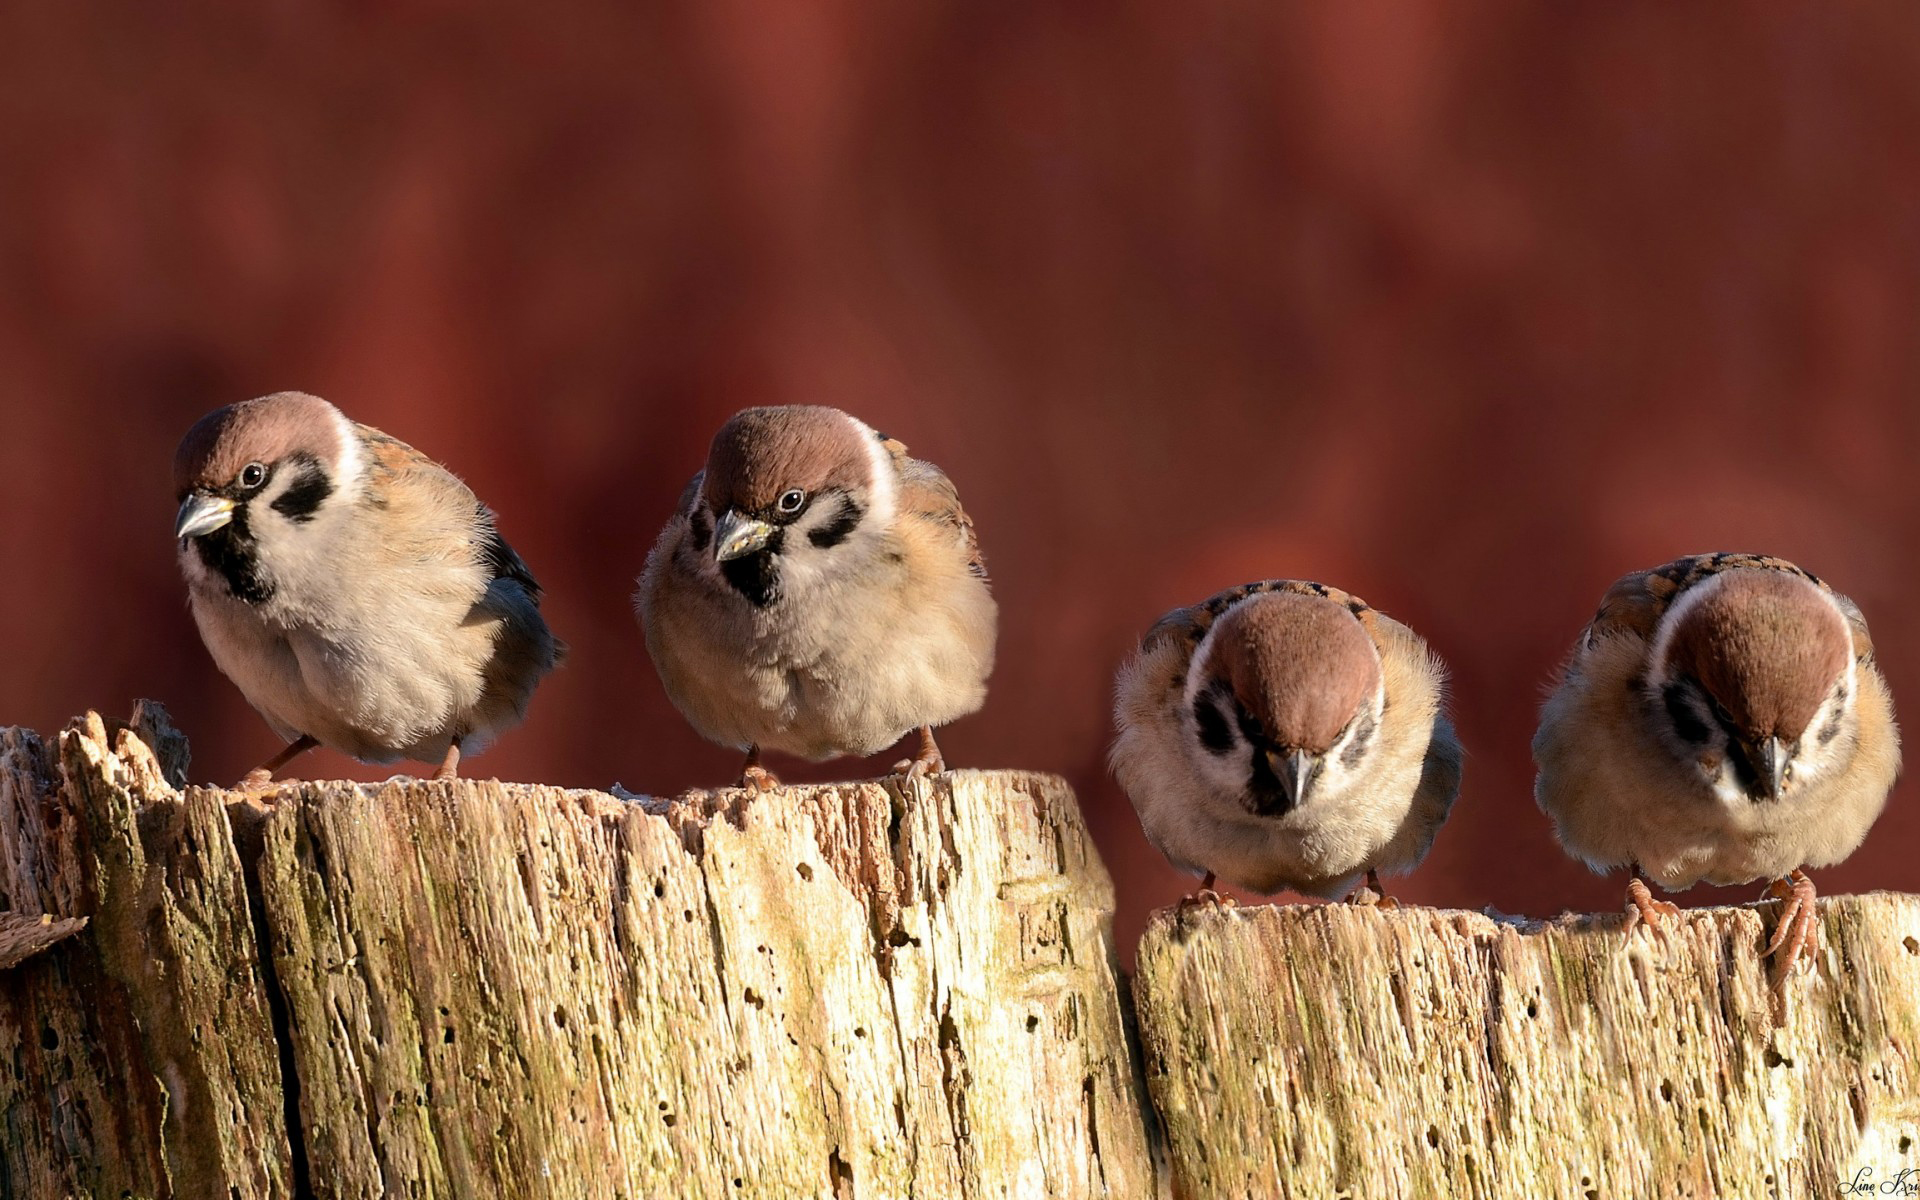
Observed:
{"x":1285,"y":735}
{"x":1721,"y":719}
{"x":819,"y":593}
{"x":357,"y":592}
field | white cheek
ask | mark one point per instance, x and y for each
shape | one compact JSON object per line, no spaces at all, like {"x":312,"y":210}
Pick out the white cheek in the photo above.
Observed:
{"x":1335,"y":774}
{"x":1224,"y":773}
{"x":881,"y":501}
{"x":352,"y":465}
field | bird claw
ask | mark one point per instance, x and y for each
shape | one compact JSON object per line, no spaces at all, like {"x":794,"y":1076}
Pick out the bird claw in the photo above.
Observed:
{"x":1206,"y":897}
{"x":1372,"y":894}
{"x":916,"y":768}
{"x":1796,"y":932}
{"x":1644,"y":911}
{"x":757,"y":779}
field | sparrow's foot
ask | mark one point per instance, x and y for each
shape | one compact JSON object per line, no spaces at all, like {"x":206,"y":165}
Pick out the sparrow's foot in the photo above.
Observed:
{"x":1206,"y":897}
{"x":450,"y":765}
{"x":1644,"y":910}
{"x":756,"y":778}
{"x":262,"y":775}
{"x":1796,"y":933}
{"x":928,"y":762}
{"x":1372,"y":894}
{"x":753,"y":776}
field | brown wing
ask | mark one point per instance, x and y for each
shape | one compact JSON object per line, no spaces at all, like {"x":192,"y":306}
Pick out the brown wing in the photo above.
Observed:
{"x":446,"y":492}
{"x":1636,"y":602}
{"x":1190,"y":624}
{"x":926,"y":492}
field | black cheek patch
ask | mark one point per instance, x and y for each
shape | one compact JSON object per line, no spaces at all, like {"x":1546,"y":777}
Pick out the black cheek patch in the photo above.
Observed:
{"x":1362,"y":737}
{"x":700,"y":528}
{"x":841,"y":527}
{"x":1686,"y":723}
{"x":1214,"y":734}
{"x":1830,"y":731}
{"x":309,"y":490}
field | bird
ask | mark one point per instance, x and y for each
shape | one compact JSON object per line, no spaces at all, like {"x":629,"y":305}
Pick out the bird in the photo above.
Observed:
{"x":1285,"y":735}
{"x":1720,"y":719}
{"x":356,"y":592}
{"x":818,"y":592}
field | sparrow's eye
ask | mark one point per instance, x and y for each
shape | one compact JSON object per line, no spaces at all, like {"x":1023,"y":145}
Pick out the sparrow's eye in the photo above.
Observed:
{"x":792,"y":501}
{"x":252,"y":475}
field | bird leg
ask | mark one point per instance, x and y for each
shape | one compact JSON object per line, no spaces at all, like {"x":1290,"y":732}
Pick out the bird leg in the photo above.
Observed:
{"x":450,"y":765}
{"x":1796,"y":935}
{"x":262,"y":775}
{"x":1372,"y":894}
{"x":753,"y":776}
{"x":928,"y":762}
{"x":1643,"y":909}
{"x":1205,"y":897}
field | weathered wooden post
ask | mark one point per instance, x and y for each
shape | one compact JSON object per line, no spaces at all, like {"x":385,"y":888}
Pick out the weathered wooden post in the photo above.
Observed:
{"x":864,"y":990}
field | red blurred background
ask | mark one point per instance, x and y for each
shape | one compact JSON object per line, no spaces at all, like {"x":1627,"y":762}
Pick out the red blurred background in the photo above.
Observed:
{"x":1467,"y":309}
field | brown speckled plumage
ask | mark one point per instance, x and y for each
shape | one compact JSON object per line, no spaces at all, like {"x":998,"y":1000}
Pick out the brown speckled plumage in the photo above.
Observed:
{"x":1382,"y":792}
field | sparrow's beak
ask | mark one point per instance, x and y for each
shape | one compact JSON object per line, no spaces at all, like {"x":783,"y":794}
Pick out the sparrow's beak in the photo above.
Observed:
{"x":1770,"y":759}
{"x":202,"y":514}
{"x":1294,"y":769}
{"x":735,"y":536}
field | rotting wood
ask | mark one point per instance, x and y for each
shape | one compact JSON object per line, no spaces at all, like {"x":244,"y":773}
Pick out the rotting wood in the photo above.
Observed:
{"x":22,"y":937}
{"x":144,"y":1061}
{"x":865,"y":990}
{"x":1315,"y":1051}
{"x":500,"y":990}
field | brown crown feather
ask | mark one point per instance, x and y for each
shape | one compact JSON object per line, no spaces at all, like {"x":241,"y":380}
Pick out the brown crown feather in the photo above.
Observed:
{"x":263,"y":430}
{"x":1767,"y":646}
{"x":1302,"y":665}
{"x":763,"y":452}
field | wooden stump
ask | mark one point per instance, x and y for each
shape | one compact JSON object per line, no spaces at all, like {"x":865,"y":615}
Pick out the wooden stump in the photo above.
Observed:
{"x":871,"y":990}
{"x":1344,"y":1051}
{"x":476,"y":989}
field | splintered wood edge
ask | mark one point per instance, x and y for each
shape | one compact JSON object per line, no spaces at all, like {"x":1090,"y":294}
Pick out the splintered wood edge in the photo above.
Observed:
{"x":23,"y":936}
{"x":1275,"y":1026}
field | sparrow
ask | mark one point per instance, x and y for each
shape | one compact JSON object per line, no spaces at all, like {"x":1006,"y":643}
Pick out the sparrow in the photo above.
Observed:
{"x":1284,"y":734}
{"x":1721,"y":719}
{"x":356,"y":592}
{"x":819,"y":593}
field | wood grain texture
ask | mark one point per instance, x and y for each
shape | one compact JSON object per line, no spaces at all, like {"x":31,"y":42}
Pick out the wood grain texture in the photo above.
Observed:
{"x":145,"y":1062}
{"x":827,"y":991}
{"x":479,"y":989}
{"x":22,"y":937}
{"x":1342,"y":1051}
{"x":425,"y":989}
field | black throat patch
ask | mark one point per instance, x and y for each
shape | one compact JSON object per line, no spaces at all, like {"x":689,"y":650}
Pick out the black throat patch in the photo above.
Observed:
{"x":756,"y":576}
{"x":1265,"y":796}
{"x":230,"y":553}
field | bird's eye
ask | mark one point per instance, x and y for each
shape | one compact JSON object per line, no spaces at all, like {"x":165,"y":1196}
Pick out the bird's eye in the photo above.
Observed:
{"x":252,"y":475}
{"x":790,"y":502}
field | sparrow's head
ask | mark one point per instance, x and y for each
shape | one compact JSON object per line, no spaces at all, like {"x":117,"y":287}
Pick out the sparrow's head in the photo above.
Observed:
{"x":1283,"y":699}
{"x":791,"y":495}
{"x":251,"y":477}
{"x":1752,"y":682}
